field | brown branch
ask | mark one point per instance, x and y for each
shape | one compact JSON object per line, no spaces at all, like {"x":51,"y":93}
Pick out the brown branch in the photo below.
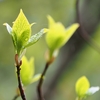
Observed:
{"x":18,"y":64}
{"x":20,"y":84}
{"x":39,"y":88}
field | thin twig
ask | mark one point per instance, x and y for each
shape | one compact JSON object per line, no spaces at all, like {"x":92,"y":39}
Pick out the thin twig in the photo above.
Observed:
{"x":18,"y":64}
{"x":39,"y":88}
{"x":20,"y":84}
{"x":84,"y":34}
{"x":15,"y":97}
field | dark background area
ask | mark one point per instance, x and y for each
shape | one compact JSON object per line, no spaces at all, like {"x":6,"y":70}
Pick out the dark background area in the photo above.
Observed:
{"x":75,"y":59}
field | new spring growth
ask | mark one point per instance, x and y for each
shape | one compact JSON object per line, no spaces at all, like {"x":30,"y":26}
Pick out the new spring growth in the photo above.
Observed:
{"x":28,"y":71}
{"x":83,"y":88}
{"x":58,"y":35}
{"x":21,"y":33}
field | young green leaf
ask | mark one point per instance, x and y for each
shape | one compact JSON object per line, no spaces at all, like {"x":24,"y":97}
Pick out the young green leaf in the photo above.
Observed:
{"x":82,"y":86}
{"x":27,"y":71}
{"x":57,"y":35}
{"x":21,"y":33}
{"x":70,"y":31}
{"x":33,"y":39}
{"x":9,"y":29}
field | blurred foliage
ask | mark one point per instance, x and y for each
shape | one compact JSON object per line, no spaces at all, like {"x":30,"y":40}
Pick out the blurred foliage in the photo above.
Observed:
{"x":28,"y":72}
{"x":84,"y":62}
{"x":58,"y":35}
{"x":81,"y":87}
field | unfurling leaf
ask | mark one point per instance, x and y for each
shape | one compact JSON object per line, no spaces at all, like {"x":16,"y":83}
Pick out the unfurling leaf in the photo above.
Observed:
{"x":9,"y":29}
{"x":82,"y":86}
{"x":57,"y":35}
{"x":27,"y":71}
{"x":33,"y":39}
{"x":21,"y":33}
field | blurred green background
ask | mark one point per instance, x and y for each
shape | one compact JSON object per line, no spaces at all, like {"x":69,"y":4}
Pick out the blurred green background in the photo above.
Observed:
{"x":75,"y":59}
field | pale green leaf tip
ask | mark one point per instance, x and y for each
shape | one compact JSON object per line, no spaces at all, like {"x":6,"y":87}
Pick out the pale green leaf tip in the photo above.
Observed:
{"x":51,"y":20}
{"x":21,"y":10}
{"x":75,"y":25}
{"x":45,"y":30}
{"x":4,"y":24}
{"x":32,"y":24}
{"x":9,"y":29}
{"x":48,"y":16}
{"x":82,"y":79}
